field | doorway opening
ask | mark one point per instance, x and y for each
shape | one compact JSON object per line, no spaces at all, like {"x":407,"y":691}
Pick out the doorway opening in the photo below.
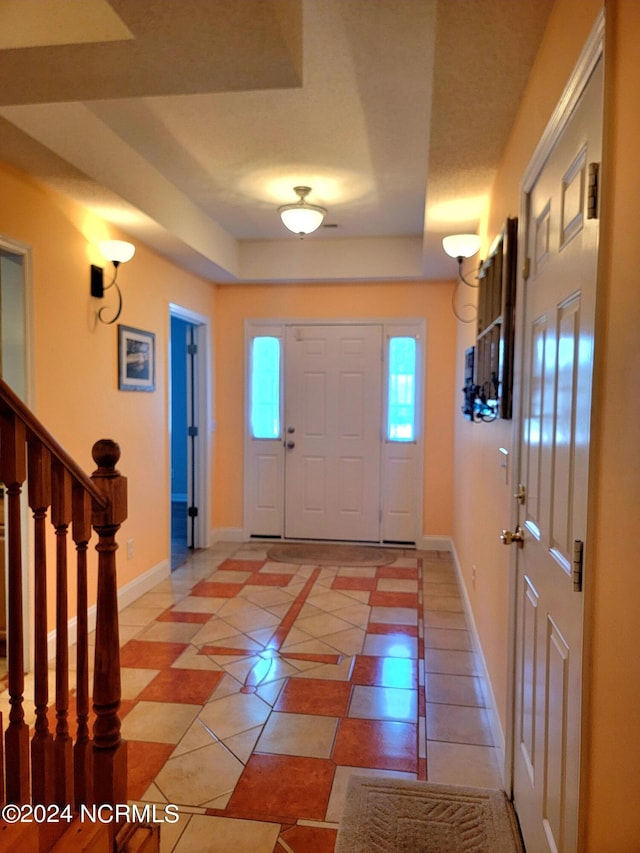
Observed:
{"x":334,"y":430}
{"x":13,"y":370}
{"x":188,"y":417}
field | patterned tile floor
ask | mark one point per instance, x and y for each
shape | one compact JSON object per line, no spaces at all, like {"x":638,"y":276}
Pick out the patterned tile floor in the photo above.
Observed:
{"x":253,"y":689}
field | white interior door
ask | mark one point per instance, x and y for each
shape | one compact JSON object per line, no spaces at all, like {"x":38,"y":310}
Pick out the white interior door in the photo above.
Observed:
{"x":559,"y":310}
{"x":333,"y":432}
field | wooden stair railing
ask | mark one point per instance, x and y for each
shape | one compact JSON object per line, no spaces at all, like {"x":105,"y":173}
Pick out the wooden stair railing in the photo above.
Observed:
{"x":50,"y":768}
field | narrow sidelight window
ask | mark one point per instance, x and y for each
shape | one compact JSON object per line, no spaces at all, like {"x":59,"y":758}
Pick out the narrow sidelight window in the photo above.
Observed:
{"x":401,"y":396}
{"x":265,"y":387}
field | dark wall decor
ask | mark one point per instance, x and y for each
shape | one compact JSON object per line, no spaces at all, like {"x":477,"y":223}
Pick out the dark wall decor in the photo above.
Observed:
{"x":493,"y":362}
{"x":469,"y":389}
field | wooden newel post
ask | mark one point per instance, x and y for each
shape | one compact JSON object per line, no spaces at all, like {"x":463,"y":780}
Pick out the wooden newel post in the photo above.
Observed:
{"x":109,"y":750}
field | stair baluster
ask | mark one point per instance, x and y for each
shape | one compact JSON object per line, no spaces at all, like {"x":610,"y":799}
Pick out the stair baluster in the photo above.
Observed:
{"x":61,"y":518}
{"x":42,"y":759}
{"x":82,"y":750}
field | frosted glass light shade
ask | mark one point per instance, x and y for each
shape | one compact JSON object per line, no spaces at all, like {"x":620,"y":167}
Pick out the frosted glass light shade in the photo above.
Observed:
{"x":302,"y":218}
{"x":117,"y":251}
{"x":461,"y":245}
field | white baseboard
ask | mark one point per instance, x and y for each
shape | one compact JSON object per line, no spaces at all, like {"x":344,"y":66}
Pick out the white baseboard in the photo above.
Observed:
{"x":226,"y":534}
{"x":496,"y":726}
{"x":435,"y":543}
{"x":143,"y":583}
{"x":126,"y":596}
{"x":237,"y":534}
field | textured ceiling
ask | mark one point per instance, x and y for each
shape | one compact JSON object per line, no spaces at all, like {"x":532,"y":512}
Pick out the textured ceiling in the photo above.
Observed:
{"x":187,"y":123}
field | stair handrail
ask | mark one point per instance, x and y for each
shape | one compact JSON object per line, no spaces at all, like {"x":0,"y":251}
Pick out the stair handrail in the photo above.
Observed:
{"x":48,"y":769}
{"x":13,"y":403}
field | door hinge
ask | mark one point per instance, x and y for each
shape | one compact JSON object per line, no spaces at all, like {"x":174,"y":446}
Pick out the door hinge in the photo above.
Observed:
{"x":192,"y":349}
{"x":578,"y":549}
{"x":526,"y":268}
{"x":521,"y":494}
{"x":592,"y":191}
{"x":192,"y":432}
{"x":192,"y":512}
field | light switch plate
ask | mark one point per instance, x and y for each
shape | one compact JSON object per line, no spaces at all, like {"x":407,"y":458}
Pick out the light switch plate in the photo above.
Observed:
{"x":503,"y":462}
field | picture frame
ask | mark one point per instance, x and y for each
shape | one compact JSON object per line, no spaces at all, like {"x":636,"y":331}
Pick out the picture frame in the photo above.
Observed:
{"x":495,"y":341}
{"x":136,"y":359}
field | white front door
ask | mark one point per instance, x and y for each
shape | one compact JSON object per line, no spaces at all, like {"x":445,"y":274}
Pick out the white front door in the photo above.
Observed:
{"x":559,"y":311}
{"x":333,"y":432}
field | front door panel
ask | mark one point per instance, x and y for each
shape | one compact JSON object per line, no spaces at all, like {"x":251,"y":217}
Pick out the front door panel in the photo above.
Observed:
{"x":333,"y":405}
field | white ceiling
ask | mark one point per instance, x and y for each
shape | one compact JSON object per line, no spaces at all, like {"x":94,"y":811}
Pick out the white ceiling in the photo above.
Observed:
{"x":188,"y":122}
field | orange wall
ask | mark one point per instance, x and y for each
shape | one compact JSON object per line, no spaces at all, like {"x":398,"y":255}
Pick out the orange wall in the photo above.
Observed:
{"x":613,"y":735}
{"x":75,"y":389}
{"x":611,"y":742}
{"x":75,"y":394}
{"x":235,"y":304}
{"x":478,"y":522}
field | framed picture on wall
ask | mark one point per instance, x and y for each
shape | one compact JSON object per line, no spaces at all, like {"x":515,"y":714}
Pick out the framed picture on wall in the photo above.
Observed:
{"x":496,"y":326}
{"x":136,"y":359}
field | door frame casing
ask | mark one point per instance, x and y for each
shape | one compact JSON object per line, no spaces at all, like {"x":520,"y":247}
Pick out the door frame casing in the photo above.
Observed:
{"x":204,"y":395}
{"x":592,"y":53}
{"x":16,"y":247}
{"x":389,"y":325}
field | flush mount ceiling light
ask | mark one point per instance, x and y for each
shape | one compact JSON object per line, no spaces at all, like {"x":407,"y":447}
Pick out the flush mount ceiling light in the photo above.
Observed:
{"x":302,"y":218}
{"x":118,"y":252}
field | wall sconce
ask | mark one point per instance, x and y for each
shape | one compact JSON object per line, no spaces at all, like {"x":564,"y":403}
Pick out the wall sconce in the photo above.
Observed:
{"x":118,"y":252}
{"x":301,"y":217}
{"x":461,"y":246}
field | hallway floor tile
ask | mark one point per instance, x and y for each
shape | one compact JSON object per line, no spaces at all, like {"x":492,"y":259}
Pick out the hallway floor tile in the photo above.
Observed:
{"x":253,"y":689}
{"x":270,"y":684}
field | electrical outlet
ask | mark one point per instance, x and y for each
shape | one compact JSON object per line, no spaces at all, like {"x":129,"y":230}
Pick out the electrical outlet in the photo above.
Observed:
{"x":129,"y":549}
{"x":473,"y":576}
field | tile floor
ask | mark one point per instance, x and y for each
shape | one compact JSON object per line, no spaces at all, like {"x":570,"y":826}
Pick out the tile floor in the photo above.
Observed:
{"x":253,"y":689}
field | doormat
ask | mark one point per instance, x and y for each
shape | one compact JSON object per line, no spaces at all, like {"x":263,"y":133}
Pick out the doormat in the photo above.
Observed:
{"x":384,"y":815}
{"x":328,"y":554}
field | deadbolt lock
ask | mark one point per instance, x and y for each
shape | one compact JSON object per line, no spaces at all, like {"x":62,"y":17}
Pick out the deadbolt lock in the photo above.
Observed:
{"x":508,"y":537}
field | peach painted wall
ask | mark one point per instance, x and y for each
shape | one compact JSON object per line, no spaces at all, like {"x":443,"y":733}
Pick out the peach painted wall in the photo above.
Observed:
{"x":74,"y":375}
{"x":611,"y":736}
{"x":478,"y":523}
{"x":235,"y":304}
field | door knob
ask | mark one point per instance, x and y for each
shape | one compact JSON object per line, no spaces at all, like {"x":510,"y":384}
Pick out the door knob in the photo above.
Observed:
{"x":508,"y":538}
{"x":290,"y":445}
